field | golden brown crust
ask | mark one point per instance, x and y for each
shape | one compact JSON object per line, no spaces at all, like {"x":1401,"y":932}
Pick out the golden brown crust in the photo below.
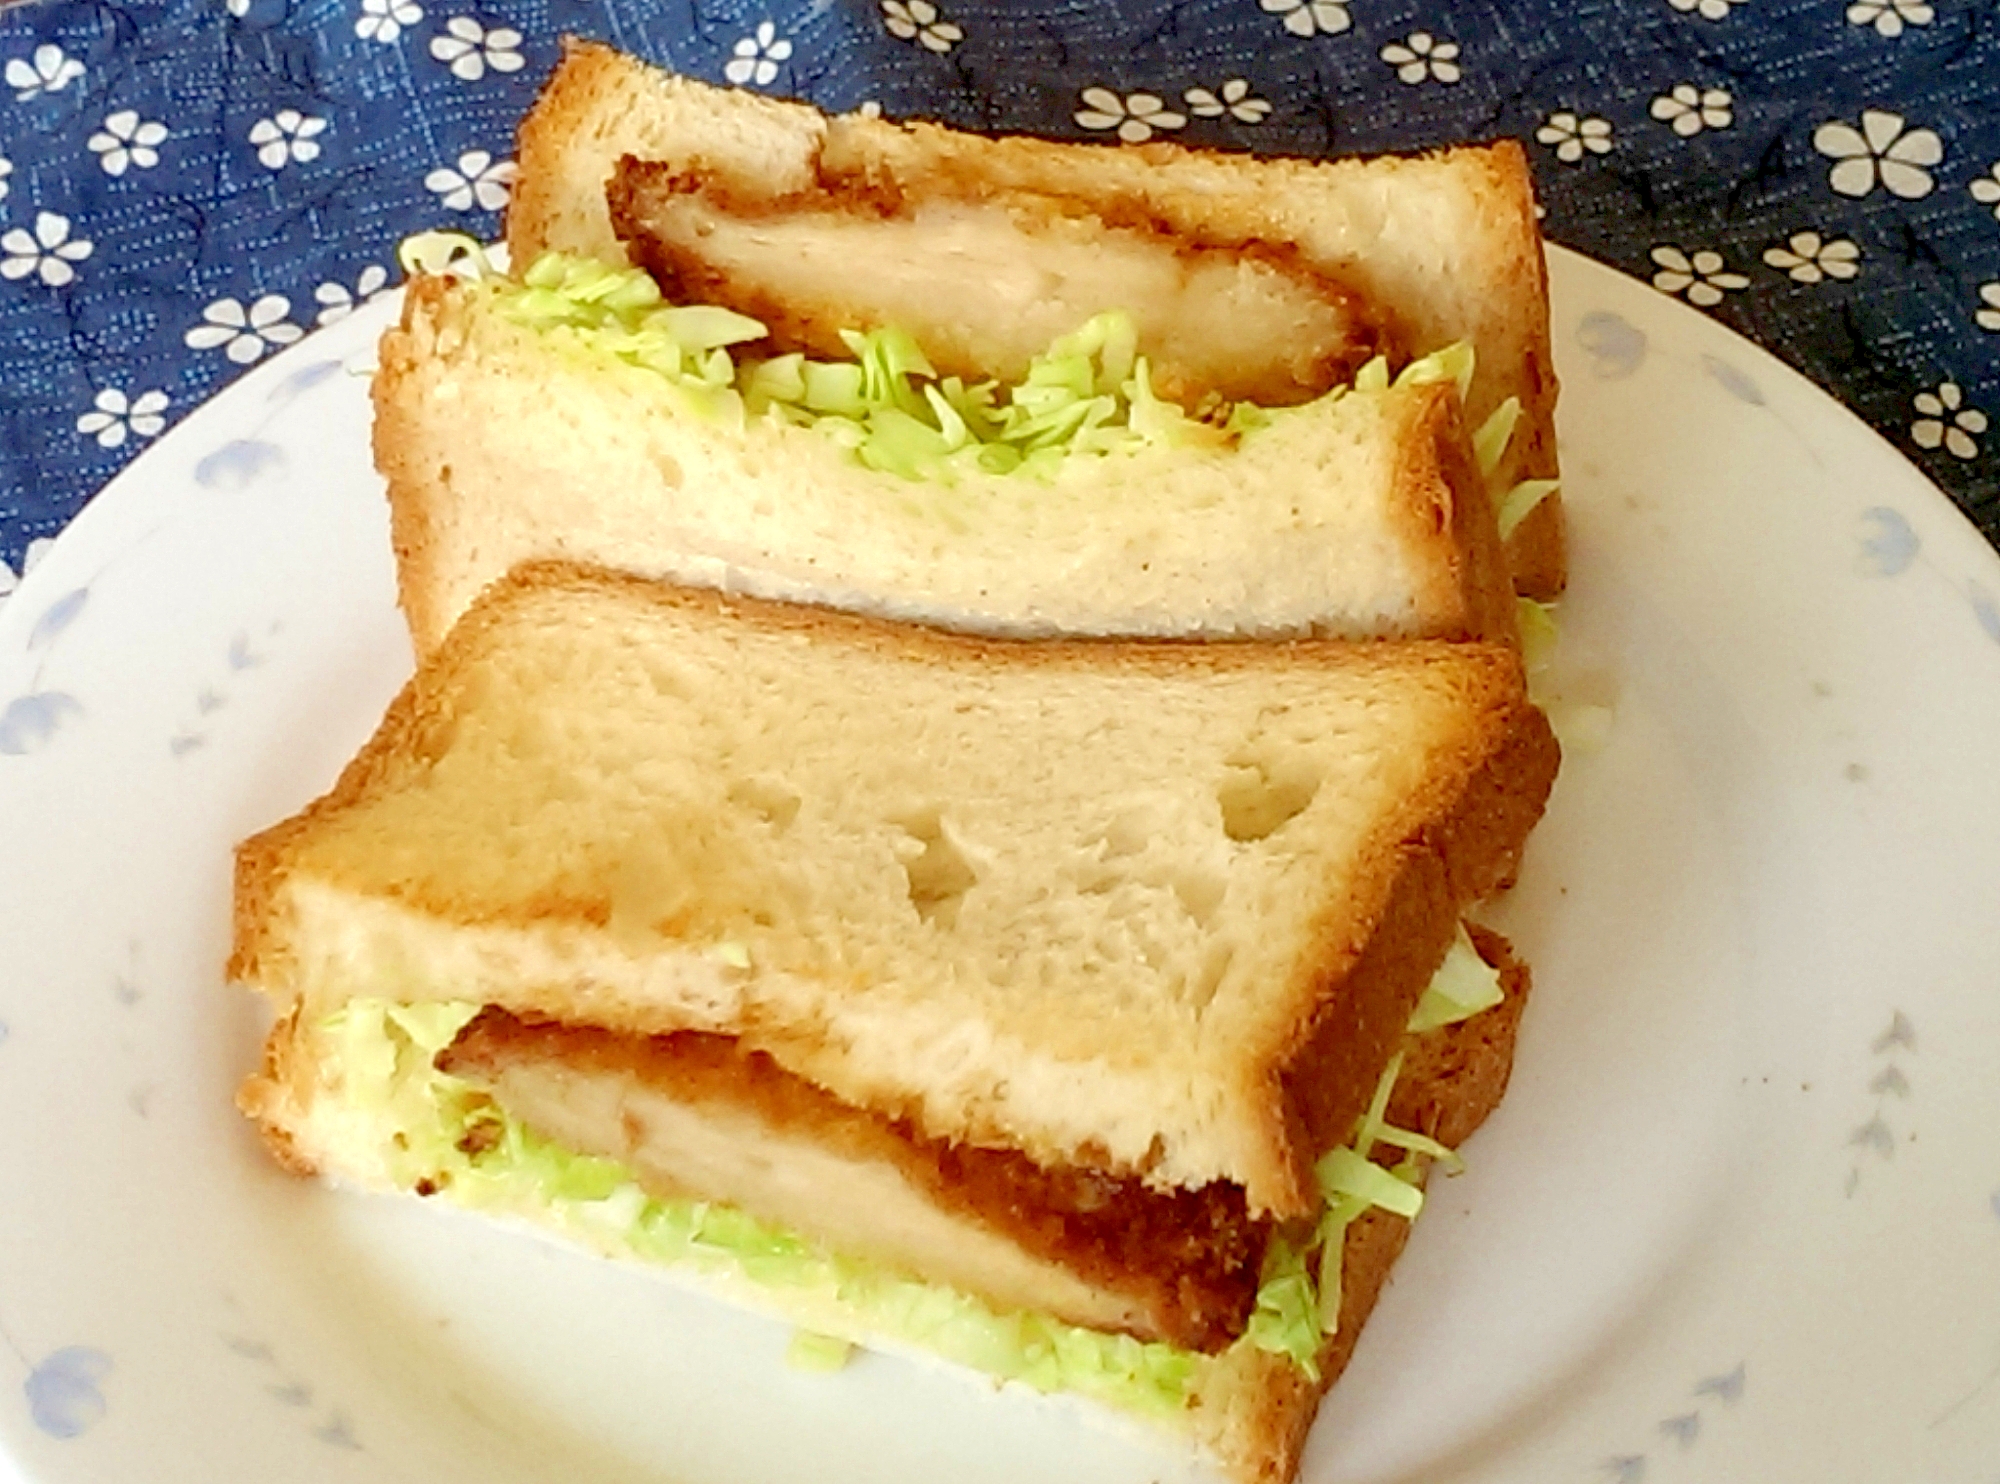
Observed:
{"x":1345,"y":1019}
{"x":414,"y":502}
{"x":1441,"y":506}
{"x":588,"y":75}
{"x":268,"y":1097}
{"x":1452,"y":1079}
{"x":1538,"y":550}
{"x":1522,"y":336}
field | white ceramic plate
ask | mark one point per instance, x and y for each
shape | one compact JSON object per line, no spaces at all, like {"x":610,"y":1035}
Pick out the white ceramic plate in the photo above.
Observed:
{"x":1738,"y":1221}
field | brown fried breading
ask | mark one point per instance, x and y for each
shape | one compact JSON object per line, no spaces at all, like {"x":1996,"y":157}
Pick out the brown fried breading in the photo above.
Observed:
{"x":986,"y":280}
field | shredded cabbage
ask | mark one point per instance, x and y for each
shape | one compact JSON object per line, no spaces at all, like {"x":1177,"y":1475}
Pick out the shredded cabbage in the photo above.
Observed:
{"x":1491,"y":441}
{"x":1464,"y":985}
{"x":1454,"y":364}
{"x":1089,"y":394}
{"x":1581,"y":726}
{"x":811,"y":1351}
{"x":1519,"y":501}
{"x":452,"y":254}
{"x":1298,"y":1301}
{"x":1287,"y":1318}
{"x":1538,"y":636}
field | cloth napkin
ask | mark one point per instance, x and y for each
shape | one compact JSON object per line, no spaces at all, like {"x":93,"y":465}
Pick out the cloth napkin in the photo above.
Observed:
{"x":188,"y":186}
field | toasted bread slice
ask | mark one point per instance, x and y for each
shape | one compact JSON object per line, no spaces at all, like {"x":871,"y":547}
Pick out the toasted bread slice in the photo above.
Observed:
{"x":1357,"y":515}
{"x":1444,"y":246}
{"x":1156,"y":909}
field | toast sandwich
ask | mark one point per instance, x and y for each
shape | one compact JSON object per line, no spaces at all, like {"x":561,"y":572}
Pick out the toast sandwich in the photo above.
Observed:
{"x":1006,"y":386}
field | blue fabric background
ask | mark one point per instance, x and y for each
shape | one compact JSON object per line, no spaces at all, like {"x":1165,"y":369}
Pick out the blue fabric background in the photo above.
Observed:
{"x":218,"y":205}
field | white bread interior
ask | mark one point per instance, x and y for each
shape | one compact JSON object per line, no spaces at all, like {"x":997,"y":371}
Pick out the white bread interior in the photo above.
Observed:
{"x":1357,"y":515}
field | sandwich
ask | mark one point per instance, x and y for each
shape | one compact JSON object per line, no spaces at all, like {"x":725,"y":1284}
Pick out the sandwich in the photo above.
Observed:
{"x":1007,"y":386}
{"x":1087,"y":1013}
{"x":1429,"y":252}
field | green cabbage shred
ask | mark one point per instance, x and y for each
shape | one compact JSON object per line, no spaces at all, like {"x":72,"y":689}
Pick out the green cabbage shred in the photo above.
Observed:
{"x":1287,"y":1320}
{"x":1490,"y":442}
{"x":1520,"y":501}
{"x":455,"y":254}
{"x":811,"y":1351}
{"x":1464,"y":985}
{"x":1090,"y":394}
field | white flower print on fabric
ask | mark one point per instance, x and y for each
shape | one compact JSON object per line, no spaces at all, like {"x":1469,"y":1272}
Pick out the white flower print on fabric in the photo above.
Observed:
{"x":471,"y":50}
{"x":385,"y":20}
{"x":6,"y":169}
{"x":286,"y":136}
{"x":755,"y":58}
{"x":1888,"y":17}
{"x":1881,"y":150}
{"x":1948,"y":421}
{"x":237,"y":8}
{"x":1708,"y":10}
{"x":36,"y":550}
{"x":1233,"y":99}
{"x":48,"y":254}
{"x":112,"y":418}
{"x":919,"y":21}
{"x":1571,"y":136}
{"x":1989,"y":317}
{"x":1807,"y":258}
{"x":479,"y":179}
{"x":339,"y":303}
{"x":48,"y":71}
{"x":1986,"y":189}
{"x":1688,"y":109}
{"x":1421,"y":55}
{"x":869,"y":110}
{"x":1310,"y":17}
{"x":1135,"y":116}
{"x":127,"y":142}
{"x":1703,"y":277}
{"x":244,"y":334}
